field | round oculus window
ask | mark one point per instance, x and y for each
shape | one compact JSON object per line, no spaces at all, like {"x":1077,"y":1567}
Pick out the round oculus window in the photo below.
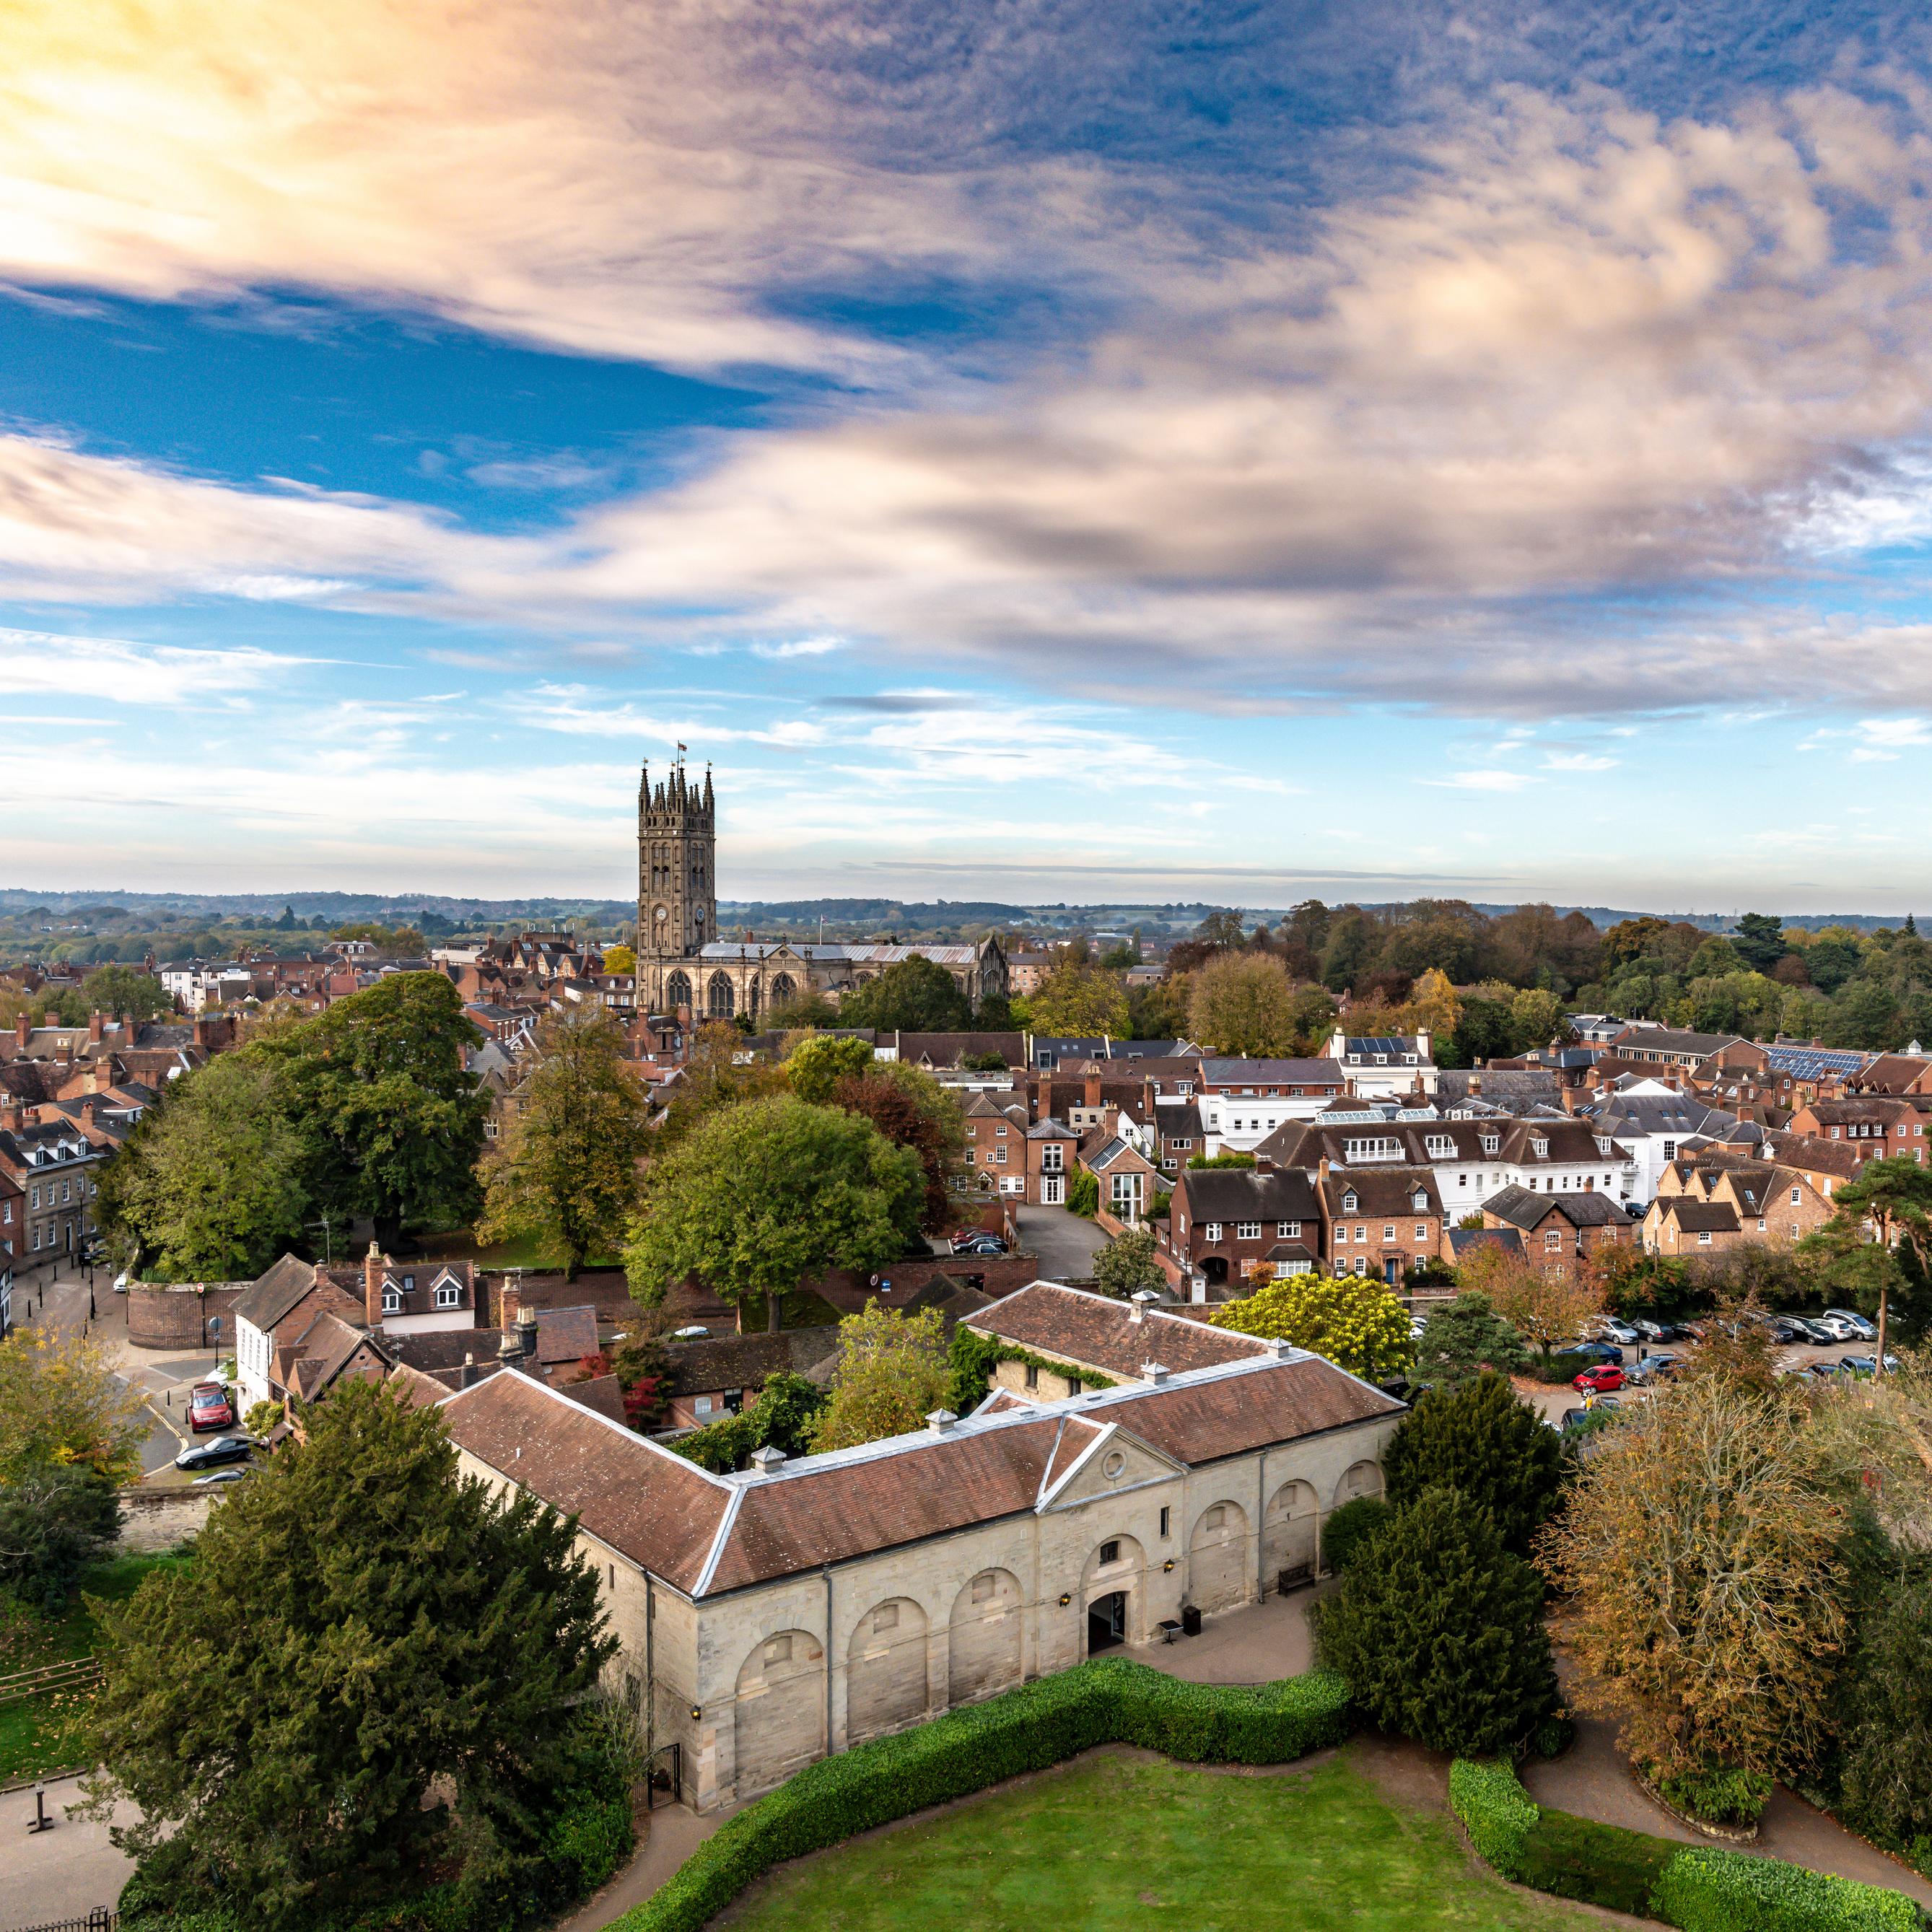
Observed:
{"x":1115,"y":1464}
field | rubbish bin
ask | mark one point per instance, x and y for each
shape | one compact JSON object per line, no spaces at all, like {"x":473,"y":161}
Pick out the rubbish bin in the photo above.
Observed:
{"x":1190,"y":1620}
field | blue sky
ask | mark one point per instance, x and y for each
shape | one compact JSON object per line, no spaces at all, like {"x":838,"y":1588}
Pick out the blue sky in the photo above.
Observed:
{"x":1033,"y":451}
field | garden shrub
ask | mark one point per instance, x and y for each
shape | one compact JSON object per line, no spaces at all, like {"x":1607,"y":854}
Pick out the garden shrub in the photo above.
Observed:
{"x":1554,"y":1735}
{"x":1712,"y":1891}
{"x":1721,"y":1794}
{"x":1495,"y":1810}
{"x":1110,"y":1700}
{"x":1600,"y":1864}
{"x":1349,"y":1528}
{"x":1562,"y":1368}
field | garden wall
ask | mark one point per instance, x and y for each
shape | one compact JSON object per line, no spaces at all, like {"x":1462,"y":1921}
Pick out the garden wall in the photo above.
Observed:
{"x":175,"y":1316}
{"x":157,"y":1520}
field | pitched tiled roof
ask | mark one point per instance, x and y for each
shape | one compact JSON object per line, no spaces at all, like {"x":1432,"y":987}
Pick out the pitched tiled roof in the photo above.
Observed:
{"x":1696,"y":1217}
{"x":1098,"y":1332}
{"x":1384,"y":1190}
{"x":273,"y":1295}
{"x":744,"y":1361}
{"x":1247,"y":1194}
{"x":1462,"y":1240}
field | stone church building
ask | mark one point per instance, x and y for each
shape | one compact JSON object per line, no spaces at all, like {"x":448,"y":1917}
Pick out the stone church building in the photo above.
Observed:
{"x":682,"y":961}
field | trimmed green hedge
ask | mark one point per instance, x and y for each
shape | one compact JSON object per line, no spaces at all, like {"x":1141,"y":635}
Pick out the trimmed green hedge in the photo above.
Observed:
{"x":1716,"y":1891}
{"x":1694,"y":1889}
{"x":1108,"y":1701}
{"x":1495,"y":1810}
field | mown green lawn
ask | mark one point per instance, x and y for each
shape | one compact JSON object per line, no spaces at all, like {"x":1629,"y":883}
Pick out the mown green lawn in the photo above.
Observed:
{"x":1112,"y":1842}
{"x":37,"y":1736}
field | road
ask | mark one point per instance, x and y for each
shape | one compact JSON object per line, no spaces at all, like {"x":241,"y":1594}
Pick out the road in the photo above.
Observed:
{"x":1551,"y":1401}
{"x":1064,"y":1243}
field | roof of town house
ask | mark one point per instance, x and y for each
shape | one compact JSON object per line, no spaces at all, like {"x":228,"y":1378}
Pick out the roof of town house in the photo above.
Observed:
{"x":949,"y":1049}
{"x":1236,"y":1194}
{"x":1841,"y":1159}
{"x":1098,"y":1332}
{"x":706,"y":1534}
{"x":1524,"y":1209}
{"x":1176,"y":1119}
{"x":1102,"y":1150}
{"x":1890,"y":1072}
{"x":1803,"y":1061}
{"x":1222,"y":1072}
{"x":1668,"y":1114}
{"x":563,"y":1335}
{"x":1513,"y":1089}
{"x":1462,"y":1241}
{"x":980,"y":1105}
{"x":1051,"y":1130}
{"x":952,"y":1301}
{"x":1855,"y":1108}
{"x":1381,"y":1190}
{"x":1697,"y":1217}
{"x":274,"y":1294}
{"x":744,"y":1361}
{"x":1651,"y":1041}
{"x":325,"y":1347}
{"x":1377,"y":1046}
{"x":415,"y":1283}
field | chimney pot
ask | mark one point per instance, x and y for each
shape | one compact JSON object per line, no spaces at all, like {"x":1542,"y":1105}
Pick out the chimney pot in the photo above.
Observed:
{"x":1140,"y":1299}
{"x":1153,"y":1371}
{"x":941,"y":1421}
{"x":765,"y":1461}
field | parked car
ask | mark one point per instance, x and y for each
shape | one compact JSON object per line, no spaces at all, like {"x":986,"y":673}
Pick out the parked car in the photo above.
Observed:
{"x":1606,"y":1375}
{"x":1657,"y":1368}
{"x":1623,"y":1333}
{"x":1784,"y":1331}
{"x":121,"y":1280}
{"x":1836,"y":1326}
{"x":980,"y":1244}
{"x":1417,"y":1323}
{"x":697,"y":1332}
{"x":211,"y":1455}
{"x":1864,"y":1329}
{"x":1598,"y":1351}
{"x":967,"y":1237}
{"x":208,"y":1407}
{"x":1806,"y":1326}
{"x":1653,"y":1331}
{"x":1867,"y":1365}
{"x":230,"y":1475}
{"x":1823,"y":1368}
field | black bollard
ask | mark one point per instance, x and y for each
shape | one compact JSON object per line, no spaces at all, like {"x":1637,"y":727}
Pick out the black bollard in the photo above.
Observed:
{"x":41,"y":1821}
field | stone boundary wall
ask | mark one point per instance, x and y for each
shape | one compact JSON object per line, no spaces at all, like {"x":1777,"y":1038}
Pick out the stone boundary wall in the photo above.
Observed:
{"x":157,"y":1520}
{"x":175,"y":1316}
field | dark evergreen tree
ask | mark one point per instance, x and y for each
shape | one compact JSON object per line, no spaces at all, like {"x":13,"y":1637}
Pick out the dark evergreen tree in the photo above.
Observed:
{"x":1481,"y":1438}
{"x":1884,"y":1767}
{"x":1439,"y":1631}
{"x":1464,"y":1339}
{"x":365,"y":1681}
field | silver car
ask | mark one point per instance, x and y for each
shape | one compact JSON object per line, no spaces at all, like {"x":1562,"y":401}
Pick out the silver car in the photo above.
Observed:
{"x":1864,"y":1330}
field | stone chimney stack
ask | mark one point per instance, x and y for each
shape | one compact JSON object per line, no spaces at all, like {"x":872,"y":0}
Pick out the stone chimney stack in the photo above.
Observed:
{"x":373,"y":1262}
{"x":1422,"y":1042}
{"x":469,"y":1371}
{"x":1338,"y":1045}
{"x":94,"y":1021}
{"x":1138,"y":1304}
{"x":526,"y":1335}
{"x":1092,"y":1095}
{"x":1153,"y":1371}
{"x":765,"y":1462}
{"x":23,"y":1026}
{"x":1043,"y":1093}
{"x":942,"y":1421}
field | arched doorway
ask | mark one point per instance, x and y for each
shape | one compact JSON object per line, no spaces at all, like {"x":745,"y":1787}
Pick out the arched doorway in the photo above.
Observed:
{"x":1107,"y":1622}
{"x":1217,"y":1567}
{"x":1288,"y":1536}
{"x":885,"y":1670}
{"x":1214,"y":1270}
{"x":1110,"y":1594}
{"x":984,"y":1653}
{"x":722,"y":1002}
{"x":778,"y":1720}
{"x":677,"y":991}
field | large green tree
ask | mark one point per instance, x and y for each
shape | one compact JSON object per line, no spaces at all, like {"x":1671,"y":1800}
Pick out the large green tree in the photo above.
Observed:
{"x":1352,"y":1320}
{"x":1081,"y":1000}
{"x":365,"y":1681}
{"x":913,"y":1111}
{"x":820,"y":1061}
{"x":892,"y":1372}
{"x":1877,"y":1247}
{"x":1438,"y":1629}
{"x":566,"y":1170}
{"x":916,"y":995}
{"x":122,"y":989}
{"x":763,"y":1196}
{"x":1243,"y":1002}
{"x":1482,"y":1439}
{"x":214,"y":1183}
{"x":393,"y":1118}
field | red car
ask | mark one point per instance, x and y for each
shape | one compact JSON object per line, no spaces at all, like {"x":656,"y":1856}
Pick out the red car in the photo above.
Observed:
{"x":1604,"y":1377}
{"x":208,"y":1407}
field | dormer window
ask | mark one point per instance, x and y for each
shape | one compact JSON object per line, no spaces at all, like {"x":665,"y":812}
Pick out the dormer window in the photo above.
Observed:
{"x":1602,"y":1143}
{"x":392,"y":1298}
{"x":1420,"y":1200}
{"x":1491,"y":1143}
{"x":1348,"y":1203}
{"x":449,"y":1295}
{"x":1540,"y":1149}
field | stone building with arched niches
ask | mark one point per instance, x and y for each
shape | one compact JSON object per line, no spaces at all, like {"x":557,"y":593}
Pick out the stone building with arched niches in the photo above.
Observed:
{"x":767,"y":1618}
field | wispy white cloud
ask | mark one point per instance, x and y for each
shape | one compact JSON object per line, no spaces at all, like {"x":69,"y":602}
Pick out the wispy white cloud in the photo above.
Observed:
{"x":1578,"y":761}
{"x":113,"y":671}
{"x":1483,"y":781}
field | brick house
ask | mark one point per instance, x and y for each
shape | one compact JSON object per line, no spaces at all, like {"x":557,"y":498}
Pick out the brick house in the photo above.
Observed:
{"x":1379,"y":1221}
{"x":996,"y":1145}
{"x":1880,"y":1124}
{"x":1224,"y":1223}
{"x":1126,"y":1179}
{"x":1052,"y":1148}
{"x":1559,"y":1232}
{"x":1750,"y":1200}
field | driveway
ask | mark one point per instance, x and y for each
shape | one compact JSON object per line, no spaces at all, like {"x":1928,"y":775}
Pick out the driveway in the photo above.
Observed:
{"x":1064,"y":1243}
{"x":64,"y":1873}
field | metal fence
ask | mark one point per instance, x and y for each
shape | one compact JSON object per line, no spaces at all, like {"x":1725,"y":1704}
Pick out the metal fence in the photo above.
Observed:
{"x":100,"y":1919}
{"x":74,"y":1673}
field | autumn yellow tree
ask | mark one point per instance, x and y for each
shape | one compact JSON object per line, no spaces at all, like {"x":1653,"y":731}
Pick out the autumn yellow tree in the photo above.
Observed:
{"x":1081,"y":1000}
{"x":1699,"y":1550}
{"x":892,"y":1373}
{"x":1352,"y":1319}
{"x":619,"y":959}
{"x":1432,"y":1005}
{"x":62,"y":1405}
{"x":1243,"y":1002}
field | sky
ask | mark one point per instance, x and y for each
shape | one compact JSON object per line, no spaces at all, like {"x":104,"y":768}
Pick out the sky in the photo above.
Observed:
{"x":1031,"y":449}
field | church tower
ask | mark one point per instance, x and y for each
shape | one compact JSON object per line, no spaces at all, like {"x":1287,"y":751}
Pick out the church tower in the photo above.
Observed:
{"x":677,"y":886}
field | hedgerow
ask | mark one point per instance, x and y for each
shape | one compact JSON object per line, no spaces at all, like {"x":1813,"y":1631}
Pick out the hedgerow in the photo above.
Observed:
{"x":1695,"y":1889}
{"x":1712,"y":1891}
{"x":1109,"y":1701}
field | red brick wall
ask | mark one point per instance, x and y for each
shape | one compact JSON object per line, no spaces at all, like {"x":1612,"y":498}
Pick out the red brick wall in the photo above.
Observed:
{"x":171,"y":1317}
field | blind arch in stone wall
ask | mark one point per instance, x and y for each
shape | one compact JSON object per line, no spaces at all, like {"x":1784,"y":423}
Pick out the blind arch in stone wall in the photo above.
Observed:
{"x":885,"y":1670}
{"x":778,"y":1719}
{"x":985,"y":1650}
